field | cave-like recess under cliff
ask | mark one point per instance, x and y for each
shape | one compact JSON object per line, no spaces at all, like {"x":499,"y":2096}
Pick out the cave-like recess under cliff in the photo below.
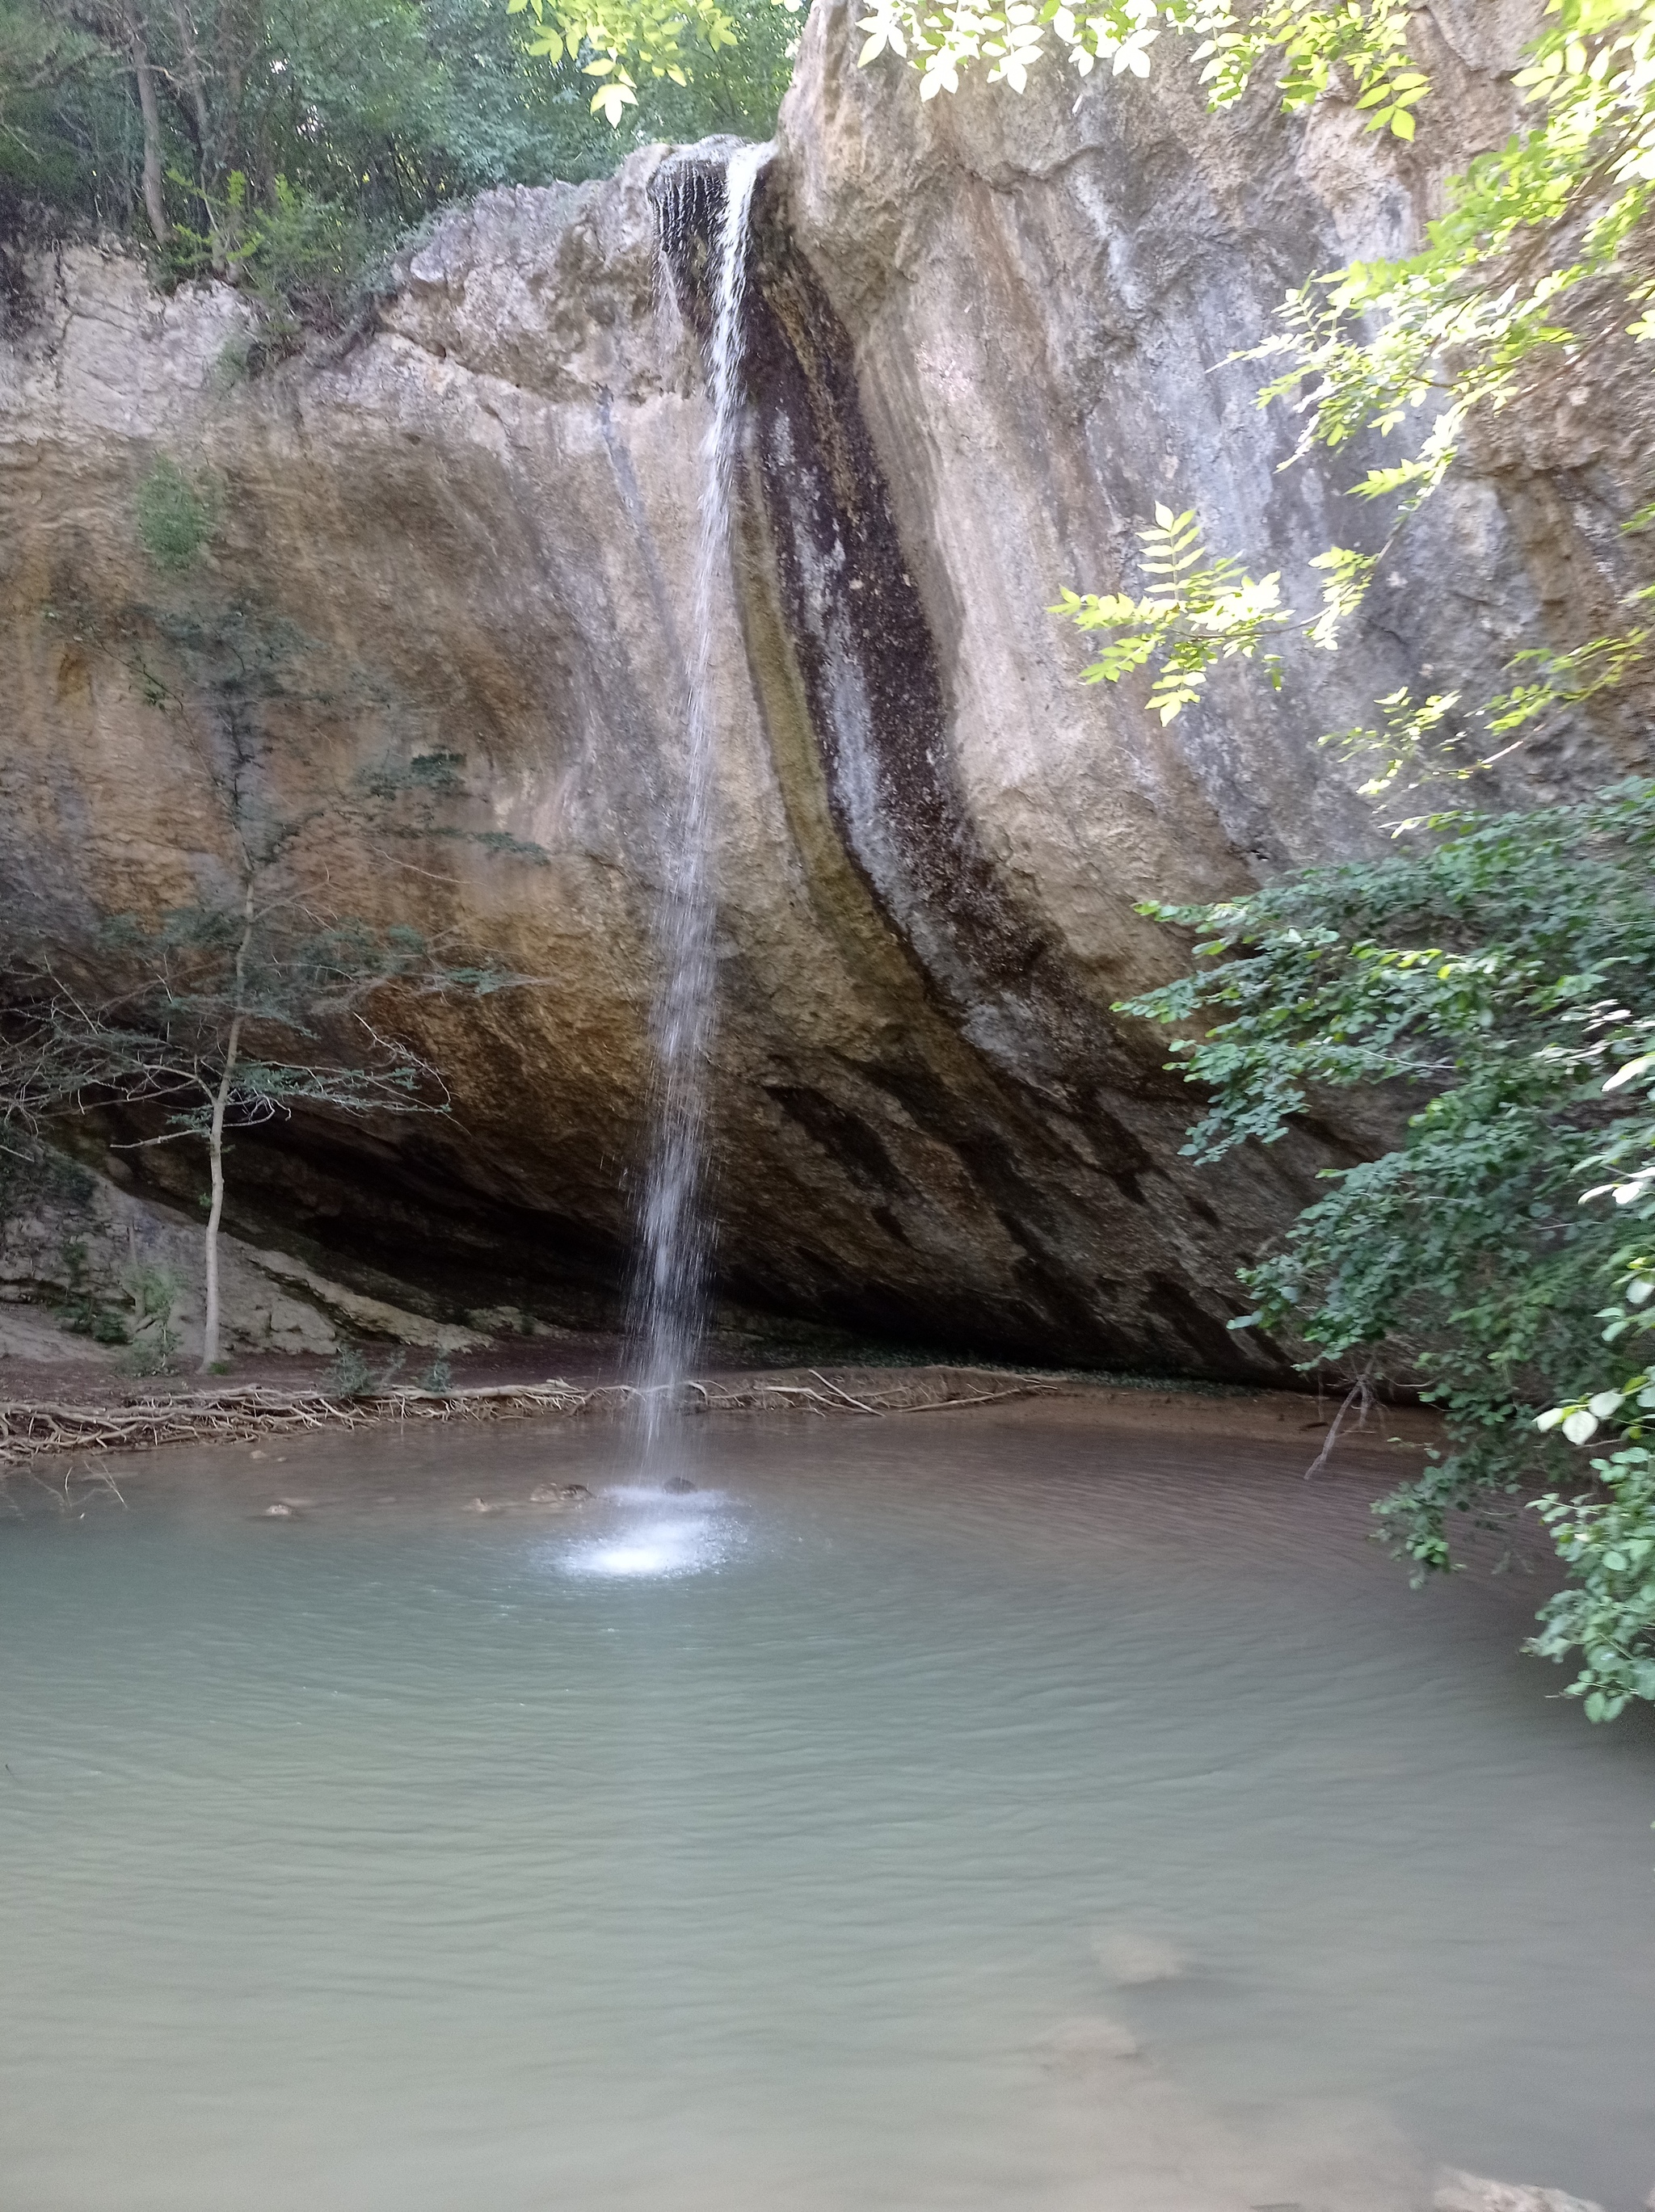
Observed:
{"x":985,"y":336}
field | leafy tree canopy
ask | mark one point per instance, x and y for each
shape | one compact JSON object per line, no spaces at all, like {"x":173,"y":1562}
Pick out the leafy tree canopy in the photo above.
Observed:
{"x":283,"y":144}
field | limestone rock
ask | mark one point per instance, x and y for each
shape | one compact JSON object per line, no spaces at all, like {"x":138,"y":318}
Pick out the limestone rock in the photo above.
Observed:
{"x":79,"y":1225}
{"x":987,"y":336}
{"x":30,"y":1334}
{"x":369,"y":1316}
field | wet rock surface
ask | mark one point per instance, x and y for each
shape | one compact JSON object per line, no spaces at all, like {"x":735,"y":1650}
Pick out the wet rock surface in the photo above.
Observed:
{"x":987,"y":336}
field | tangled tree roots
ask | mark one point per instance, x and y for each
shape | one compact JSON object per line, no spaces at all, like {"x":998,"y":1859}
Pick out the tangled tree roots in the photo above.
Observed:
{"x":32,"y":1430}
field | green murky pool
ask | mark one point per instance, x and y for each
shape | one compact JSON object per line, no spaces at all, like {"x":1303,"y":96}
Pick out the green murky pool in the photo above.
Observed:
{"x":985,"y":1811}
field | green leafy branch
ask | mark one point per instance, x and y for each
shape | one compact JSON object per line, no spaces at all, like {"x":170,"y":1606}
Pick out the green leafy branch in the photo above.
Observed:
{"x":1606,"y":1538}
{"x":1367,"y":37}
{"x":1607,"y":1613}
{"x":1369,"y":42}
{"x":1462,"y":989}
{"x":1201,"y":608}
{"x":1551,"y":217}
{"x":625,"y":40}
{"x":1556,"y":213}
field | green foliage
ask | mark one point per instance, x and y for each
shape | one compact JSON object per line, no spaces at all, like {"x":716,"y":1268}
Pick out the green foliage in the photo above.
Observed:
{"x":301,"y":257}
{"x":1199,"y":610}
{"x":1607,"y":1539}
{"x":1485,"y":986}
{"x":350,"y":1375}
{"x":176,"y":515}
{"x":1202,"y":609}
{"x":291,"y":143}
{"x":1368,"y":39}
{"x":1607,"y":1613}
{"x":154,"y":1292}
{"x":663,"y":43}
{"x":650,"y":34}
{"x":1534,"y":231}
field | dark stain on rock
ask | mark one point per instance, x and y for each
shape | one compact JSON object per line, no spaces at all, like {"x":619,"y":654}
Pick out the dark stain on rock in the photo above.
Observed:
{"x":877,"y":698}
{"x":844,"y":1135}
{"x":1207,"y":1344}
{"x":1127,"y":1158}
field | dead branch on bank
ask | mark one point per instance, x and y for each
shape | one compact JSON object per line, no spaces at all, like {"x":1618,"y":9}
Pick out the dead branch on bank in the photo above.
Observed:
{"x":33,"y":1429}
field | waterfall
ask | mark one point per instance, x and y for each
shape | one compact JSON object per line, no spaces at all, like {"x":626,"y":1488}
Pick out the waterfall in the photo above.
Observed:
{"x":676,"y":1236}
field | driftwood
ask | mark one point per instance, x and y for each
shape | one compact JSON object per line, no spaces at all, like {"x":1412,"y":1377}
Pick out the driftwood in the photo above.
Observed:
{"x":33,"y":1429}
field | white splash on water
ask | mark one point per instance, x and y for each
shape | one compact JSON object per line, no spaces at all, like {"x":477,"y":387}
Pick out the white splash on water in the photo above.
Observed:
{"x":688,"y":1541}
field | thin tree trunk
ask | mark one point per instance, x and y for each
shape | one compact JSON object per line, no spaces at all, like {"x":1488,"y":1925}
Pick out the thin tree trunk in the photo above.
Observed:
{"x":149,"y":108}
{"x":216,"y":1211}
{"x":192,"y":71}
{"x":216,"y":1140}
{"x":197,"y":85}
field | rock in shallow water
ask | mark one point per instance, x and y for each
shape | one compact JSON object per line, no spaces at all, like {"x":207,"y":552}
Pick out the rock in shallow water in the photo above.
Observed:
{"x":1131,"y":1959}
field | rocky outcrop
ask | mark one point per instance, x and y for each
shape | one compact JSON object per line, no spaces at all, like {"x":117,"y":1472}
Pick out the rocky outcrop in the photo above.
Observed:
{"x":985,"y":336}
{"x":86,"y":1266}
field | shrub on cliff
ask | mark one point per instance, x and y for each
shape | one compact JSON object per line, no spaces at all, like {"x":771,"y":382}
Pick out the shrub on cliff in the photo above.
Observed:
{"x":1489,"y":984}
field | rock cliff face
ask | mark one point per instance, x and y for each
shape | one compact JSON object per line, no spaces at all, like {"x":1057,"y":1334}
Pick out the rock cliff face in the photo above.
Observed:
{"x":985,"y":338}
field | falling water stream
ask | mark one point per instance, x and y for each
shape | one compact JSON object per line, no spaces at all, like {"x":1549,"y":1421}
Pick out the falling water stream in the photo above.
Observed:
{"x":676,"y":1235}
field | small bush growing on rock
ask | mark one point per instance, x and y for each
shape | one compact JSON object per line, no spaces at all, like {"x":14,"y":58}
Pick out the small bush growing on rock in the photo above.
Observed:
{"x":84,"y":1310}
{"x":175,"y":516}
{"x":349,"y":1376}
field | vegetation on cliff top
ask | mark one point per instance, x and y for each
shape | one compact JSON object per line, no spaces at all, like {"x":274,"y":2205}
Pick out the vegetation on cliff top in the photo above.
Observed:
{"x":284,"y":145}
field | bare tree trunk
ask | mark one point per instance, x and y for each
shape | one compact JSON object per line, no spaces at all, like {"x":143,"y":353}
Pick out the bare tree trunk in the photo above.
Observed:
{"x":149,"y":108}
{"x":197,"y":83}
{"x":216,"y":1211}
{"x":216,"y":1141}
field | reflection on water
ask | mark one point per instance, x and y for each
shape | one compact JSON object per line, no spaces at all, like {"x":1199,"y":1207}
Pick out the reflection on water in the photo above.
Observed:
{"x":977,"y":1813}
